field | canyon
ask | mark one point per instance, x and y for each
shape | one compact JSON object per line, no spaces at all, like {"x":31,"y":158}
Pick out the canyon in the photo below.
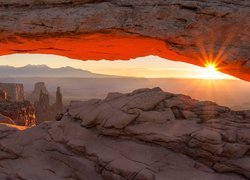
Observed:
{"x":17,"y":110}
{"x":14,"y":109}
{"x":196,"y":32}
{"x":20,"y":113}
{"x":146,"y":134}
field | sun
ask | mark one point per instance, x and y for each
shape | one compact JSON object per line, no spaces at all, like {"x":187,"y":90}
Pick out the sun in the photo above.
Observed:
{"x":210,"y":71}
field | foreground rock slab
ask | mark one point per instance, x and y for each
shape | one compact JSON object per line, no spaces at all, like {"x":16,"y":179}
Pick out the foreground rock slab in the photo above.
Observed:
{"x":139,"y":135}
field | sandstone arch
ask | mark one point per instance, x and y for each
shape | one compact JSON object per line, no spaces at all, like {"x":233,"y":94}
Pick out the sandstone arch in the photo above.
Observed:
{"x":190,"y":31}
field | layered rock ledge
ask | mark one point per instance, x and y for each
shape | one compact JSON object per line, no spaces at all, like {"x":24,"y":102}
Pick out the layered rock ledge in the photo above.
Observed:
{"x":17,"y":113}
{"x":147,"y":134}
{"x":189,"y":31}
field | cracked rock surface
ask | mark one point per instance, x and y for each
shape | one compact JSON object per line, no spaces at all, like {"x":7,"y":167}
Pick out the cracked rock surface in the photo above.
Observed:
{"x":144,"y":135}
{"x":184,"y":30}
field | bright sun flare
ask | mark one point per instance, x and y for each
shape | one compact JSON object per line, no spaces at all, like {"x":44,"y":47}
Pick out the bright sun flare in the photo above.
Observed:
{"x":211,"y":72}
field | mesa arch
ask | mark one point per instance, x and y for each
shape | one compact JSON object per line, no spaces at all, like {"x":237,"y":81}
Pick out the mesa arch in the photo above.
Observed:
{"x":189,"y":31}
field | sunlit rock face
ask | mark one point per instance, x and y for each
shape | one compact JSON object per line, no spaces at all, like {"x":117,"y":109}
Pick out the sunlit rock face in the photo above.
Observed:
{"x":146,"y":134}
{"x":18,"y":113}
{"x":6,"y":120}
{"x":190,"y":31}
{"x":13,"y":108}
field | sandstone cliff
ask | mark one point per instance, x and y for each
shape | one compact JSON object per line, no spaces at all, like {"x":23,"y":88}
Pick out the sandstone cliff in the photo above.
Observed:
{"x":19,"y":113}
{"x":147,"y":134}
{"x":15,"y":92}
{"x":184,"y":30}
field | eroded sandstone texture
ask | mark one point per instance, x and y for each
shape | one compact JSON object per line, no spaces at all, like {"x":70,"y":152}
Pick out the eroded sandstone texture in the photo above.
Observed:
{"x":44,"y":110}
{"x":38,"y":89}
{"x":19,"y":113}
{"x":14,"y":92}
{"x":13,"y":108}
{"x":144,"y":135}
{"x":190,"y":31}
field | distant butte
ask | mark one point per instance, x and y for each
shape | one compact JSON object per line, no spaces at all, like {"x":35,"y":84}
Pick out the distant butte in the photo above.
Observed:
{"x":188,"y":31}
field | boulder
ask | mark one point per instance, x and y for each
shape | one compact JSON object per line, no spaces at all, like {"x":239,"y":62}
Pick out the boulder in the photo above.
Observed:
{"x":188,"y":114}
{"x":207,"y":136}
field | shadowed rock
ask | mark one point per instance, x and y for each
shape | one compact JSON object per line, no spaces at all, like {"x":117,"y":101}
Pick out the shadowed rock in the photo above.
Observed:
{"x":14,"y":92}
{"x":3,"y":95}
{"x":6,"y":120}
{"x":19,"y":113}
{"x":59,"y":101}
{"x":38,"y":88}
{"x":44,"y":110}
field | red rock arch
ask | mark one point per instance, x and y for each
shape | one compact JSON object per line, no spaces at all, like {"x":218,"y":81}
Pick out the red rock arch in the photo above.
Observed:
{"x":193,"y":32}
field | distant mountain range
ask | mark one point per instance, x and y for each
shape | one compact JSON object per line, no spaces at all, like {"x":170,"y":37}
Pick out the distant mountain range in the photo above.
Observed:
{"x":45,"y":71}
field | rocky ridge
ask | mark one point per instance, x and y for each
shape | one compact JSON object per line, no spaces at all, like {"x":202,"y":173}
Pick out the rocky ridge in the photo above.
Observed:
{"x":147,"y":134}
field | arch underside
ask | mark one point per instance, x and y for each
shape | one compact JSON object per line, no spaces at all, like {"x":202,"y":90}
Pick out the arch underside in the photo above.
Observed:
{"x":192,"y":32}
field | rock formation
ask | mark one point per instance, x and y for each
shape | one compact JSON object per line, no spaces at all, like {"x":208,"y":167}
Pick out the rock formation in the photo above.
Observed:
{"x":38,"y":88}
{"x":45,"y":111}
{"x":6,"y":120}
{"x":59,"y":101}
{"x":3,"y":95}
{"x":13,"y":108}
{"x":147,"y":134}
{"x":15,"y":92}
{"x":43,"y":102}
{"x":189,"y":31}
{"x":19,"y":113}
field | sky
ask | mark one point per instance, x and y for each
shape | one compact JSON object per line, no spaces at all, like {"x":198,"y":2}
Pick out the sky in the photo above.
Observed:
{"x":149,"y":67}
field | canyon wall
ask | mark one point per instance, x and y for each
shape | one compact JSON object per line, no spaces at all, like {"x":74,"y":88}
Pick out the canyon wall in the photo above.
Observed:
{"x":19,"y":113}
{"x":196,"y":32}
{"x":15,"y":92}
{"x":13,"y":108}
